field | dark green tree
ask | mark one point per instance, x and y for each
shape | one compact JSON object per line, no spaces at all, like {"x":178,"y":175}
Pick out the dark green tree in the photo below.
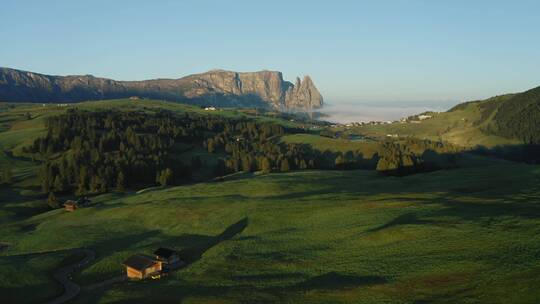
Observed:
{"x":284,"y":165}
{"x":120,"y":182}
{"x":52,"y":201}
{"x":7,"y":175}
{"x":166,"y":177}
{"x":266,"y":167}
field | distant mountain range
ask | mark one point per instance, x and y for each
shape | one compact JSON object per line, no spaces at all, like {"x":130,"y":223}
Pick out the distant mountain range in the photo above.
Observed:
{"x":265,"y":89}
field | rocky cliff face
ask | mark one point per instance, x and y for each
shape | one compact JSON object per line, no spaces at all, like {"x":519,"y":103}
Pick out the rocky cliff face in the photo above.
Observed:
{"x":219,"y":88}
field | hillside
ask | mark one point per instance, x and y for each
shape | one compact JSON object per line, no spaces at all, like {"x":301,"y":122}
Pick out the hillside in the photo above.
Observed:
{"x":502,"y":120}
{"x":445,"y":237}
{"x":265,"y":89}
{"x":516,"y":117}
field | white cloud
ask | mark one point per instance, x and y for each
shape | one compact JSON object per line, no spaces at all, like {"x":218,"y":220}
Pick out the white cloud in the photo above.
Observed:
{"x":344,"y":113}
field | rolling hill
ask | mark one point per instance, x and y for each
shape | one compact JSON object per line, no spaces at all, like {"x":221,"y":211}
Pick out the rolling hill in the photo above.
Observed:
{"x":502,"y":120}
{"x":469,"y":234}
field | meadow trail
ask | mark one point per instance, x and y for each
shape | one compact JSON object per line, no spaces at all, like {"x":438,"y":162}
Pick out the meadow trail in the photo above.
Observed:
{"x":62,"y":275}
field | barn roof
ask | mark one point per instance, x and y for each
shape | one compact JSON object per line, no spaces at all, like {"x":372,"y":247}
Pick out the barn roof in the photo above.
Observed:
{"x":164,"y":252}
{"x":70,"y":203}
{"x":139,"y":262}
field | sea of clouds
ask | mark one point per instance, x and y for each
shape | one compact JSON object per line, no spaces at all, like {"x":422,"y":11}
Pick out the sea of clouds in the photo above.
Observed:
{"x":346,"y":113}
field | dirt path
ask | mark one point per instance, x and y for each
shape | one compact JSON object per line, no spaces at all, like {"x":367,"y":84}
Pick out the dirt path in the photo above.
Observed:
{"x":71,"y":289}
{"x":62,"y":275}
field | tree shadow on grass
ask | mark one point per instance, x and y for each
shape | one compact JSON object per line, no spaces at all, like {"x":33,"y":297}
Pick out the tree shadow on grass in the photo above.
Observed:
{"x":193,"y":254}
{"x":251,"y":293}
{"x":404,"y":219}
{"x":199,"y":245}
{"x":334,"y":280}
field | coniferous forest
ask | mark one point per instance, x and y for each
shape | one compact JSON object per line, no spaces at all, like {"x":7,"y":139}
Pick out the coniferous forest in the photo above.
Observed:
{"x":92,"y":152}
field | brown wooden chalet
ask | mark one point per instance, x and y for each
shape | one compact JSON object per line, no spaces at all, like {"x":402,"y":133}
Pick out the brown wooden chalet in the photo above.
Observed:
{"x":71,"y":205}
{"x":167,"y":256}
{"x":141,"y":267}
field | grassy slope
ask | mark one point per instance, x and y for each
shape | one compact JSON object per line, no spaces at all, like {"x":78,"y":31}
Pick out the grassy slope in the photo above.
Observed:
{"x":317,"y":237}
{"x":324,"y":143}
{"x":460,"y":126}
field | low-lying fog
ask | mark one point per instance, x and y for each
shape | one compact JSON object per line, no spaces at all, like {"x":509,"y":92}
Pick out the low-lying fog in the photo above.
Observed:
{"x":345,"y":113}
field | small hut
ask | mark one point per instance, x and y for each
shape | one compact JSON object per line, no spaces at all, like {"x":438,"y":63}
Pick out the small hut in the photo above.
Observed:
{"x":140,"y":267}
{"x":71,"y":205}
{"x":167,"y":256}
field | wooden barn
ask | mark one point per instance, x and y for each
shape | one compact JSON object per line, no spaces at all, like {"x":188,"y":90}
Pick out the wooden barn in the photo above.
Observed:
{"x":71,"y":205}
{"x":140,"y":267}
{"x":167,"y":256}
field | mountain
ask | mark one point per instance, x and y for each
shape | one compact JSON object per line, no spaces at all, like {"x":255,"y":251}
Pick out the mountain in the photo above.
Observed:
{"x":218,"y":87}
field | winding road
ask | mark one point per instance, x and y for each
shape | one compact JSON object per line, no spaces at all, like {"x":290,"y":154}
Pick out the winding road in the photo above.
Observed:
{"x":71,"y":289}
{"x":62,"y":275}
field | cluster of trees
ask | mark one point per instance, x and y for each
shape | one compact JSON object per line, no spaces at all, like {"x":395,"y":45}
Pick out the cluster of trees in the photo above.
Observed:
{"x":95,"y":151}
{"x":256,"y":147}
{"x":7,"y":175}
{"x":413,"y":155}
{"x":89,"y":152}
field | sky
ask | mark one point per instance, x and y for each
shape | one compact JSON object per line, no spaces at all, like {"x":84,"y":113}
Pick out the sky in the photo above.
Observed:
{"x":399,"y":54}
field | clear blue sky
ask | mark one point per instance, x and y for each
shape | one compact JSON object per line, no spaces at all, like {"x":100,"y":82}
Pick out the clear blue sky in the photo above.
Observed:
{"x":398,"y":52}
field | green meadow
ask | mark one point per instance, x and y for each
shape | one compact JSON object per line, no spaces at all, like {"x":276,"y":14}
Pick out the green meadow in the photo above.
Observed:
{"x":468,"y":235}
{"x":461,"y":126}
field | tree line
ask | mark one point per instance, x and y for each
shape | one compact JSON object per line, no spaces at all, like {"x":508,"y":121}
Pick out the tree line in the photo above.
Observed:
{"x":98,"y":151}
{"x":412,"y":155}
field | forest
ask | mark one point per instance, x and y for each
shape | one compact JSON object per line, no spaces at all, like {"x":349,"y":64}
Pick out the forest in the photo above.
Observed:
{"x":97,"y":151}
{"x":516,"y":117}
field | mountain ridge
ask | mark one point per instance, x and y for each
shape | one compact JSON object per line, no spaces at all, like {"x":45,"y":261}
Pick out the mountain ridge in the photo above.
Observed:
{"x":216,"y":87}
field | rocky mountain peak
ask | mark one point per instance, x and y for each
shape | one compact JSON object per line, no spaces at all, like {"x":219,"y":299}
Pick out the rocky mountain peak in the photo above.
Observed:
{"x":215,"y":87}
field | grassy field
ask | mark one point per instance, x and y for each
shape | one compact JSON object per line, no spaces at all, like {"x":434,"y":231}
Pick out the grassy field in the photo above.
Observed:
{"x":461,"y":127}
{"x":333,"y":144}
{"x":27,"y":278}
{"x":468,"y":235}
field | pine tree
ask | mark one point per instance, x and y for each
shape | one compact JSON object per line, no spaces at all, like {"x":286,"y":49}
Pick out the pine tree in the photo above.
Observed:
{"x":210,"y":146}
{"x":196,"y":163}
{"x":166,"y":177}
{"x":52,"y":201}
{"x":284,"y":165}
{"x":58,"y":184}
{"x":120,"y":182}
{"x":266,"y":167}
{"x":339,"y":162}
{"x":219,"y":168}
{"x":95,"y":183}
{"x":247,"y":164}
{"x":7,"y":175}
{"x":303,"y":165}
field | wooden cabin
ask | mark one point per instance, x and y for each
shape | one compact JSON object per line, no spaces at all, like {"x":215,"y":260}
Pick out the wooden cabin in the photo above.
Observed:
{"x":140,"y":267}
{"x":71,"y":205}
{"x":167,"y":256}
